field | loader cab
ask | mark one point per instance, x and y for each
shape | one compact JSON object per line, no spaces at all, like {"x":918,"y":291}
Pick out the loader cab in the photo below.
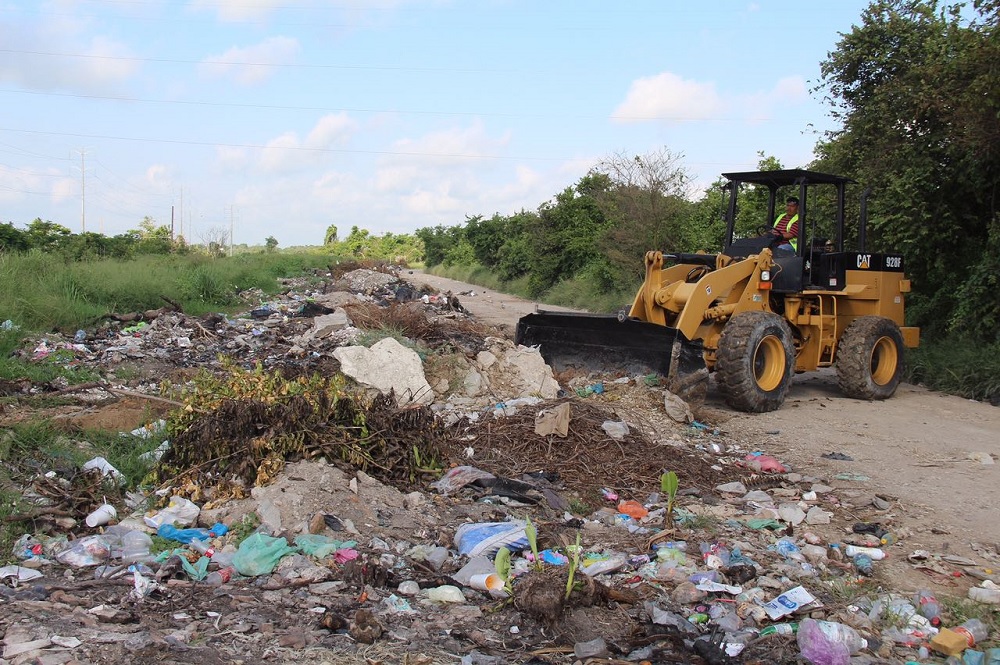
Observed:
{"x":815,"y":262}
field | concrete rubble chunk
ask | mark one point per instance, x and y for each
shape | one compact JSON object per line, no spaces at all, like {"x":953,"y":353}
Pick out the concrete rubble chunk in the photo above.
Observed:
{"x":817,"y":515}
{"x":791,"y":513}
{"x":367,"y":281}
{"x":330,"y":323}
{"x":387,"y":365}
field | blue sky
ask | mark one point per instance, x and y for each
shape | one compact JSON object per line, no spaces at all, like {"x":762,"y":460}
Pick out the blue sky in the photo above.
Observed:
{"x":282,"y":117}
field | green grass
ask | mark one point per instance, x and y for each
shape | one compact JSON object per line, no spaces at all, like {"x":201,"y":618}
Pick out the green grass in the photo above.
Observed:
{"x":44,"y":292}
{"x":957,"y":366}
{"x":34,"y":448}
{"x":578,"y":293}
{"x":959,"y":610}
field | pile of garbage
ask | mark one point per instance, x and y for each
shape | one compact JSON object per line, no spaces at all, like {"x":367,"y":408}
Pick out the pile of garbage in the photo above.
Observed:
{"x":437,"y":496}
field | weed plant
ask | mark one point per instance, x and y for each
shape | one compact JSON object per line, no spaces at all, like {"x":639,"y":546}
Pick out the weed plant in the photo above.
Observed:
{"x":957,"y":366}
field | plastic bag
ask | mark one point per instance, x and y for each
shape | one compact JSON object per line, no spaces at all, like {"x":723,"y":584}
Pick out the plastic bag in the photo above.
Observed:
{"x":320,"y":546}
{"x":179,"y":511}
{"x":459,"y":477}
{"x":260,"y":553}
{"x":485,"y":538}
{"x":171,"y":532}
{"x":88,"y":551}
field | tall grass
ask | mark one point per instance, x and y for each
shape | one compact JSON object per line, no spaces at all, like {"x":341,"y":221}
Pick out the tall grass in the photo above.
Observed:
{"x":579,"y":292}
{"x":958,"y":366}
{"x":42,"y":292}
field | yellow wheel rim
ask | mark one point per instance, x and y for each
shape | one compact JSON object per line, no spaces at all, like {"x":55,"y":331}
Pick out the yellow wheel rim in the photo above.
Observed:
{"x":769,"y":363}
{"x":884,"y":360}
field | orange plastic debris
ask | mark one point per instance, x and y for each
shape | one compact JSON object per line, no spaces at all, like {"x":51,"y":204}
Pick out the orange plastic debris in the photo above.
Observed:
{"x":633,"y":509}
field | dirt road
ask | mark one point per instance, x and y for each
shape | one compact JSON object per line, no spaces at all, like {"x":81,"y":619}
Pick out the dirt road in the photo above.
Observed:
{"x":914,"y":448}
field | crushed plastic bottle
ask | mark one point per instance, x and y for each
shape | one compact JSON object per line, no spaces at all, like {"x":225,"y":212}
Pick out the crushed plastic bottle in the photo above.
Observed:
{"x":780,"y":629}
{"x":220,"y":577}
{"x":828,"y":642}
{"x":863,"y":564}
{"x":974,"y":631}
{"x":875,"y":553}
{"x":928,"y":606}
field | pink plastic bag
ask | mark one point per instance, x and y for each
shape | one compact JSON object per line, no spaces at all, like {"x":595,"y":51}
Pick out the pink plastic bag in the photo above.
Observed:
{"x":765,"y":464}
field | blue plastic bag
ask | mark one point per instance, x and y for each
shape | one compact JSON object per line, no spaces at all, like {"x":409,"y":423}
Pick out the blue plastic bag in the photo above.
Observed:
{"x":170,"y":532}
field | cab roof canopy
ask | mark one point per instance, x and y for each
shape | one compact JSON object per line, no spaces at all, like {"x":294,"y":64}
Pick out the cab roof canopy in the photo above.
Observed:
{"x":787,"y":177}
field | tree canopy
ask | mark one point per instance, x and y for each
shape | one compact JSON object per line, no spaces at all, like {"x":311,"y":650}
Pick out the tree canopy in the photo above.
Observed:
{"x":916,"y":87}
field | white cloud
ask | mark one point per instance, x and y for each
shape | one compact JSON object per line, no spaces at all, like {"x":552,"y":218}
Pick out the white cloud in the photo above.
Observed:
{"x":762,"y":106}
{"x":254,"y":64}
{"x":287,"y":152}
{"x":101,"y":67}
{"x":668,"y":97}
{"x":238,"y":10}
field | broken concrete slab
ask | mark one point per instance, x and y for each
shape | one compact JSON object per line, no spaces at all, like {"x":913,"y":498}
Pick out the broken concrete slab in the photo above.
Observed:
{"x":387,"y":366}
{"x":329,"y":323}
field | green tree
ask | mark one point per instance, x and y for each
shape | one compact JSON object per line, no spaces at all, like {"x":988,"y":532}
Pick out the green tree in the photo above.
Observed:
{"x":331,"y":235}
{"x":46,"y":236}
{"x":917,"y":89}
{"x":271,"y":243}
{"x":12,"y":239}
{"x":565,"y":236}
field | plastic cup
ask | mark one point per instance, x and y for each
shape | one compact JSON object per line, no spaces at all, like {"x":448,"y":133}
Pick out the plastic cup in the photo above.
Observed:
{"x":104,"y":514}
{"x":486,"y":582}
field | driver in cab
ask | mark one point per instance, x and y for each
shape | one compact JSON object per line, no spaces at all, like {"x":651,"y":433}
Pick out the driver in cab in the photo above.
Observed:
{"x":786,"y":227}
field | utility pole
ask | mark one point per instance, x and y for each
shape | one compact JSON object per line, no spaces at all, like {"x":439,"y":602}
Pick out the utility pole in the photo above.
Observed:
{"x":83,"y":191}
{"x":171,"y":224}
{"x":232,"y":228}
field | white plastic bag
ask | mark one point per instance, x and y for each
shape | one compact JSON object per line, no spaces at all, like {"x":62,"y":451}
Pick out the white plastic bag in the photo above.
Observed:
{"x":486,"y":538}
{"x":179,"y":512}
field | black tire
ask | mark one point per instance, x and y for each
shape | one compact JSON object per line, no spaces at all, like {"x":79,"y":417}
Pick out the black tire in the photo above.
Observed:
{"x":754,"y":362}
{"x":870,"y":358}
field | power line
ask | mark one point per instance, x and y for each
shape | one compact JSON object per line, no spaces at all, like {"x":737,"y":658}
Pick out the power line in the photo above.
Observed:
{"x":237,"y":63}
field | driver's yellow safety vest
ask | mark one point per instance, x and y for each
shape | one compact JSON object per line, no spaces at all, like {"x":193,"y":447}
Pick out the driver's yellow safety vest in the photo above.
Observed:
{"x":794,"y":242}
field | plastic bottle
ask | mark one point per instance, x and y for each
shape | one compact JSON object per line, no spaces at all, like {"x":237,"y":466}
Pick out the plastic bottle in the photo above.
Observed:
{"x":828,"y":642}
{"x":863,"y":564}
{"x":204,"y":547}
{"x":780,"y":629}
{"x":928,"y":606}
{"x":875,"y":553}
{"x":220,"y":577}
{"x":789,"y":549}
{"x":973,"y":630}
{"x":888,"y":539}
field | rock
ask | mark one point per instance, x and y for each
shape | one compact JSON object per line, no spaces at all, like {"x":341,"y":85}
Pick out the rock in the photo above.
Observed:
{"x":686,"y":593}
{"x":732,"y":488}
{"x":414,"y":500}
{"x":335,"y":299}
{"x":819,"y":488}
{"x":817,"y":515}
{"x":388,"y":366}
{"x":367,"y":281}
{"x":330,"y":323}
{"x":595,"y":648}
{"x":365,"y":627}
{"x":760,"y":496}
{"x":791,"y":513}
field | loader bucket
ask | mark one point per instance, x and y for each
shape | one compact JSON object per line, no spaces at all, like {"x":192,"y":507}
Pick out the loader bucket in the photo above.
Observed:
{"x":607,"y":343}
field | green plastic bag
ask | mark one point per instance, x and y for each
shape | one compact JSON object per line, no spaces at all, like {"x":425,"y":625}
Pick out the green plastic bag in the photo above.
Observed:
{"x":320,"y":546}
{"x":259,"y":554}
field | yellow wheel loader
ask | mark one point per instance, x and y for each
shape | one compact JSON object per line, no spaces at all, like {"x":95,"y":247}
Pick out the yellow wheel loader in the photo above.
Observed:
{"x":752,"y":314}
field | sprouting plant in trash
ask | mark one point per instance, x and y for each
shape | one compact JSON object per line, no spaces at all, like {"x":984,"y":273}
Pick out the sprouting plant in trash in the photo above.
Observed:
{"x":668,"y":485}
{"x":574,"y":564}
{"x":532,"y":534}
{"x":502,"y":565}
